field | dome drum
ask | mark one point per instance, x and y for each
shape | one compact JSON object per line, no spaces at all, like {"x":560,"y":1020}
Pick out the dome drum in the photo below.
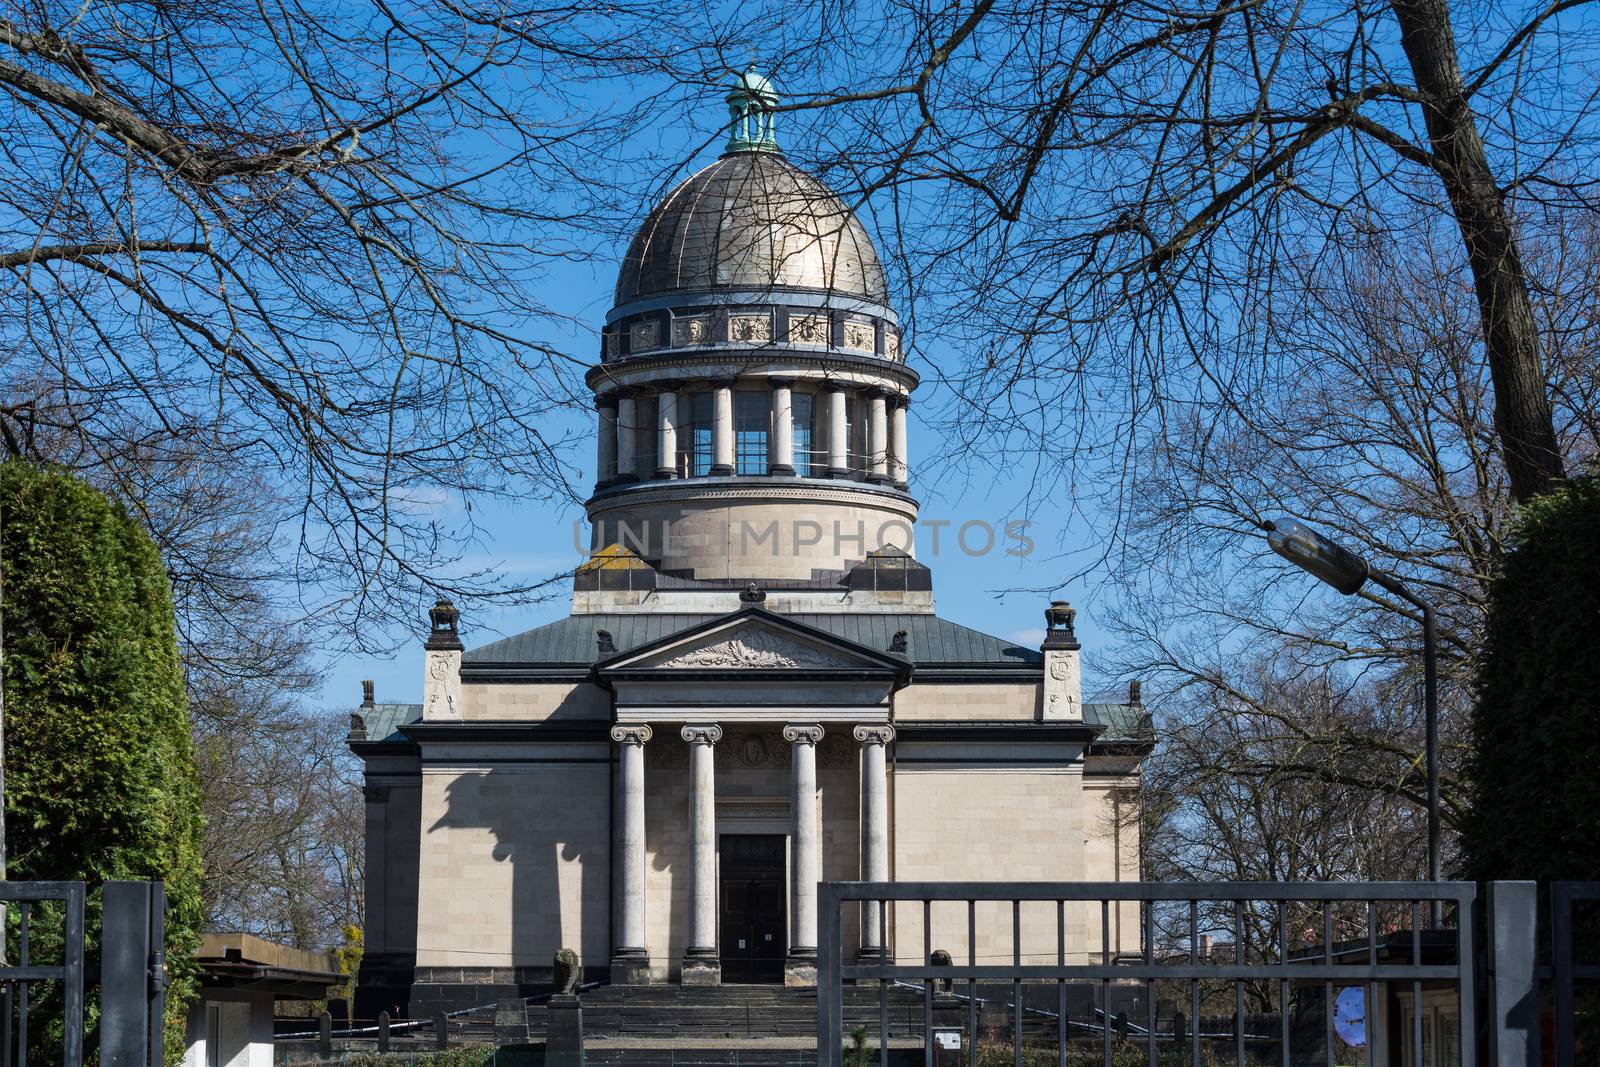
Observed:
{"x":768,"y":327}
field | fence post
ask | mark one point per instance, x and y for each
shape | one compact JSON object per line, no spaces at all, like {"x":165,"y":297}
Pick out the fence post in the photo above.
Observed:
{"x":1514,"y":973}
{"x":325,"y":1034}
{"x":129,"y":1026}
{"x":441,"y":1030}
{"x":830,"y":991}
{"x":383,"y":1031}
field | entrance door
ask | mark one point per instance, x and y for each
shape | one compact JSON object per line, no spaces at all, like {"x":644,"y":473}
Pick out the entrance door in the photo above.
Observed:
{"x":753,"y":907}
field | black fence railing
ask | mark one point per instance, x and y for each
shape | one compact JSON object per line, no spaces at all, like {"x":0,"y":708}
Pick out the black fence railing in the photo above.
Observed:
{"x":1127,"y":958}
{"x":1566,"y":971}
{"x":21,"y":977}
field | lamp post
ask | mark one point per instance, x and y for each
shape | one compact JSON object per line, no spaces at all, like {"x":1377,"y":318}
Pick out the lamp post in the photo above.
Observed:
{"x":1348,"y":572}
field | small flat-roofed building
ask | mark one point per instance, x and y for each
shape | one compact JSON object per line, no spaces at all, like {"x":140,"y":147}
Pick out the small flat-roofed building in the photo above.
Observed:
{"x":242,"y":977}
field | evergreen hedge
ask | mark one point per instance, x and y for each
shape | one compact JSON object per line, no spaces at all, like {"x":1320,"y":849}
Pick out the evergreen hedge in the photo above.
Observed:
{"x":100,"y":771}
{"x":1535,"y":809}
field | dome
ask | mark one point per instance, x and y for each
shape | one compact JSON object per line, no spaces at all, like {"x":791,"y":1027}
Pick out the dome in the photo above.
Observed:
{"x":752,"y":221}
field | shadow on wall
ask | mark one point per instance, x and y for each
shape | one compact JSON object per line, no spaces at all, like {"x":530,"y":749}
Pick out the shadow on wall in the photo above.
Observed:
{"x":550,"y":824}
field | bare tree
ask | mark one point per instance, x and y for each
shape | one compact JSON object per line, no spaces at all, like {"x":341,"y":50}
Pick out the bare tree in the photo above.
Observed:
{"x":1269,"y":771}
{"x":307,"y":243}
{"x":1378,"y":423}
{"x":284,"y":818}
{"x":1115,"y":202}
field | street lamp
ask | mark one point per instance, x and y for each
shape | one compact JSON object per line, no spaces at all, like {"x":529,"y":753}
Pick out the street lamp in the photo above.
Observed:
{"x":1348,"y":572}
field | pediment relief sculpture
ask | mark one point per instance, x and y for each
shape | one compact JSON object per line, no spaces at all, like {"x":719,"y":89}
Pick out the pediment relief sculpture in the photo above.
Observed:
{"x":752,"y":646}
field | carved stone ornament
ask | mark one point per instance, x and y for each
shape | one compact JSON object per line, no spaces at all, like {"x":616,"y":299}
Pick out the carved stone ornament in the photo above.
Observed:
{"x":631,"y":734}
{"x":859,"y":335}
{"x":643,"y":335}
{"x":837,"y":751}
{"x":702,"y":733}
{"x":1060,"y":669}
{"x":751,"y":750}
{"x":808,"y":329}
{"x":876,"y":734}
{"x":692,"y":330}
{"x":891,"y":344}
{"x":750,"y":328}
{"x":809,"y":734}
{"x":752,"y":646}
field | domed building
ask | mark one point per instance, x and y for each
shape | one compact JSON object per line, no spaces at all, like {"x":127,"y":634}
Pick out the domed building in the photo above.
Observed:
{"x":753,"y":692}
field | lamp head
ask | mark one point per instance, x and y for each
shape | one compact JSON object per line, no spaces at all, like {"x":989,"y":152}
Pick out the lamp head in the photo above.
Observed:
{"x":1316,"y":555}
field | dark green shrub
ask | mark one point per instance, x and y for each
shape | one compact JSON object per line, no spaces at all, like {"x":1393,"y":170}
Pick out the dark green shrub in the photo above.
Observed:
{"x":100,"y":774}
{"x":1535,"y":765}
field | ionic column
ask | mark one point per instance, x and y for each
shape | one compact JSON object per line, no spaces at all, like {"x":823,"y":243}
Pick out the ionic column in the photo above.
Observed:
{"x":605,"y":441}
{"x":722,"y":429}
{"x":627,"y":426}
{"x":781,"y":450}
{"x":899,"y":468}
{"x":874,"y":826}
{"x":630,"y":960}
{"x":805,"y":863}
{"x":838,"y":443}
{"x":878,"y":435}
{"x":667,"y":432}
{"x":700,"y":963}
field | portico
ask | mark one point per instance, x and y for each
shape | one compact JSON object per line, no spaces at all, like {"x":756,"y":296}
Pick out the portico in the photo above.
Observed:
{"x":759,"y":677}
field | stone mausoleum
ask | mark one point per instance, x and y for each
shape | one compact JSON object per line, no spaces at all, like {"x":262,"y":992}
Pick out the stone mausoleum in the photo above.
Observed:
{"x":753,"y":691}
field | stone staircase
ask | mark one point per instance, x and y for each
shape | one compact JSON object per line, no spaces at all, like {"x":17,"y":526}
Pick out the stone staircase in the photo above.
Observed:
{"x":732,"y":1011}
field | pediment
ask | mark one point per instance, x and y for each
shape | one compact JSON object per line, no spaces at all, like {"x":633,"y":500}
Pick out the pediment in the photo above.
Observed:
{"x":751,"y":641}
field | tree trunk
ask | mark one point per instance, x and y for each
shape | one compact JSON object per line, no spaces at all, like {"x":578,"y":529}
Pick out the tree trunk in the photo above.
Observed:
{"x":1511,"y":340}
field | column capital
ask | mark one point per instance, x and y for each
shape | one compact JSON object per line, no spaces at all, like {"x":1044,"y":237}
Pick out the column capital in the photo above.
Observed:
{"x":723,"y":383}
{"x":900,"y":401}
{"x":780,"y":381}
{"x":631,"y":734}
{"x":808,"y":733}
{"x":606,"y":399}
{"x":874,"y":733}
{"x":668,"y":385}
{"x":832,"y":386}
{"x":878,"y":392}
{"x":706,"y":733}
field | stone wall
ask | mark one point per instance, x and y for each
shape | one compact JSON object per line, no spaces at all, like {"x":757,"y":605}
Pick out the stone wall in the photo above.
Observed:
{"x":515,"y":860}
{"x":967,"y":702}
{"x":534,"y":702}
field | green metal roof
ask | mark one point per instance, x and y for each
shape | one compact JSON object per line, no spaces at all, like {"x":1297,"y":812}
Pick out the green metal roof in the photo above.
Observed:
{"x":1122,"y":722}
{"x":384,"y":720}
{"x":930,"y":641}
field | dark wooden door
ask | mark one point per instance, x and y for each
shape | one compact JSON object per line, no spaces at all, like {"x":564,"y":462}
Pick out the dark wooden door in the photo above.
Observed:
{"x":752,"y":937}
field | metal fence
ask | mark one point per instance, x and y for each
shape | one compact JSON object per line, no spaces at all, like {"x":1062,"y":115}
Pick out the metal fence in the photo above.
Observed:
{"x":1291,"y":943}
{"x":18,"y":980}
{"x":42,"y":976}
{"x":1565,"y":971}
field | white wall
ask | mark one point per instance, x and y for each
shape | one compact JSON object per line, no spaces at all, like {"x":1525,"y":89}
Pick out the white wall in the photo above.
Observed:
{"x":227,"y":1028}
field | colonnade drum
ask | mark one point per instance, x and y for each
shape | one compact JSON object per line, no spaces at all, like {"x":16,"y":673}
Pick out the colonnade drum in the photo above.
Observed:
{"x":659,"y":778}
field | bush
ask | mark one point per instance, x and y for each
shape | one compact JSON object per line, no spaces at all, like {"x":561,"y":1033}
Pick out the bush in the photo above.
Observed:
{"x":100,"y":779}
{"x":1535,"y":801}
